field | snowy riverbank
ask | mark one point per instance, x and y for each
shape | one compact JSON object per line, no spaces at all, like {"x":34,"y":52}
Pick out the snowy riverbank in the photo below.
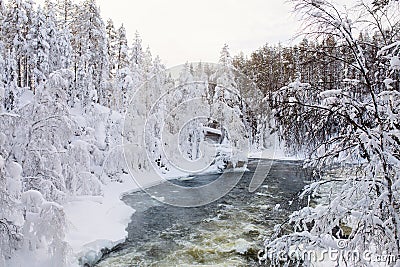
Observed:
{"x":98,"y":223}
{"x":101,"y":223}
{"x":94,"y":223}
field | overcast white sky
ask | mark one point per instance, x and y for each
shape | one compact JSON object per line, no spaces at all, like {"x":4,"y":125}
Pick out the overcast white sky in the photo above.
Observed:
{"x":194,"y":30}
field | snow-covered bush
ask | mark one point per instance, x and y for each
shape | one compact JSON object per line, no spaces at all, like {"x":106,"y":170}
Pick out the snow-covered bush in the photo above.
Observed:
{"x":51,"y":226}
{"x":44,"y":226}
{"x":10,"y":214}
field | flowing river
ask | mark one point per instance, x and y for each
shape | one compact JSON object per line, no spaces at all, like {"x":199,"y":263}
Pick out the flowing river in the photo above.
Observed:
{"x":228,"y":232}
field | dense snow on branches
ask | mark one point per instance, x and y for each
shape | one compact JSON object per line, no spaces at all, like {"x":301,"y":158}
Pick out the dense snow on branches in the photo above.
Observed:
{"x":352,"y":122}
{"x":66,"y":81}
{"x":77,"y":100}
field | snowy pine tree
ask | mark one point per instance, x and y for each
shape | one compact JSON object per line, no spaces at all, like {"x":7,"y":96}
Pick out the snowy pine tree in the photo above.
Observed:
{"x":112,"y":47}
{"x":122,"y":48}
{"x":38,"y":40}
{"x":66,"y":11}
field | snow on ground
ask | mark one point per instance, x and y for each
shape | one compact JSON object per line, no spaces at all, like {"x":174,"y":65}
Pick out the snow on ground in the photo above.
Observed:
{"x":100,"y":222}
{"x":24,"y":258}
{"x":94,"y":223}
{"x":274,"y":153}
{"x":97,"y":223}
{"x":274,"y":149}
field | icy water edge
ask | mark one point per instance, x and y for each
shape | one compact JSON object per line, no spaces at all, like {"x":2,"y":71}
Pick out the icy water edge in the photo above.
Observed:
{"x":228,"y":232}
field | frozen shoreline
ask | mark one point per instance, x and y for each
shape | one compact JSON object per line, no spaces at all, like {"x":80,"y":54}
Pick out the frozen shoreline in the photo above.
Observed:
{"x":98,"y":223}
{"x":105,"y":226}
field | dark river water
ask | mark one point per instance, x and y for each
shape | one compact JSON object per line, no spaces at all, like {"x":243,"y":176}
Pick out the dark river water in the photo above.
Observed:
{"x":227,"y":232}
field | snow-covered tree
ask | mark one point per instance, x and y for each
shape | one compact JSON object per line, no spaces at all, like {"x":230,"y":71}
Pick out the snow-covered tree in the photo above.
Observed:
{"x":66,"y":11}
{"x":358,"y":124}
{"x":16,"y":24}
{"x":90,"y":47}
{"x":41,"y":146}
{"x":38,"y":41}
{"x":10,"y":215}
{"x":122,"y":48}
{"x":52,"y":226}
{"x":120,"y":73}
{"x":137,"y":55}
{"x":148,"y":64}
{"x":112,"y":46}
{"x":225,"y":57}
{"x":60,"y":50}
{"x":45,"y":226}
{"x":3,"y":80}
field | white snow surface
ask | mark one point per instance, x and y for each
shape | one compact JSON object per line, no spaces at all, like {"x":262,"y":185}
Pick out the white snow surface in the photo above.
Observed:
{"x":395,"y":63}
{"x":277,"y":153}
{"x":94,"y":223}
{"x":98,"y":222}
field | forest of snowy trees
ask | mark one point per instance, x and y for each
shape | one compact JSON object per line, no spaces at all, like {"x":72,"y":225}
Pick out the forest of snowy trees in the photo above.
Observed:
{"x":323,"y":61}
{"x":66,"y":80}
{"x":336,"y":98}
